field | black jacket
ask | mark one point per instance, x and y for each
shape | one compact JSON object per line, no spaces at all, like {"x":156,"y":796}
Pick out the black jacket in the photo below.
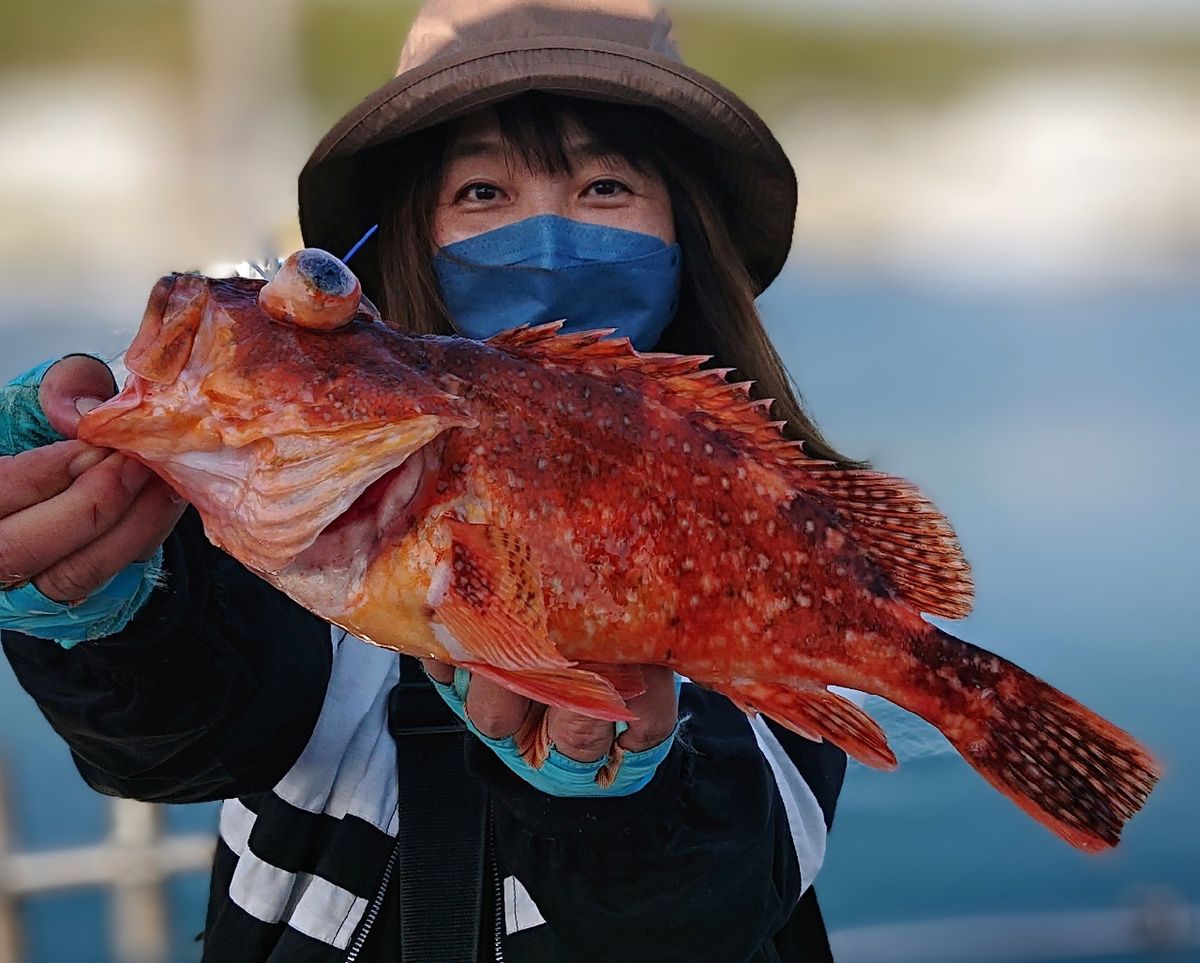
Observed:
{"x":223,"y":688}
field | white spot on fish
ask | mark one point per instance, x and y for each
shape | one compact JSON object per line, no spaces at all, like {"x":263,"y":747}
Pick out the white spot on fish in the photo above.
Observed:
{"x":809,"y":526}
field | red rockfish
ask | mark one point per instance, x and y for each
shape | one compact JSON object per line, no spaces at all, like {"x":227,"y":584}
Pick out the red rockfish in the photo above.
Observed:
{"x":546,"y":509}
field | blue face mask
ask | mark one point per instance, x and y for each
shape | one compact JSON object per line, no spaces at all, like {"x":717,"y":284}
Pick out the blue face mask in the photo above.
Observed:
{"x":549,"y":267}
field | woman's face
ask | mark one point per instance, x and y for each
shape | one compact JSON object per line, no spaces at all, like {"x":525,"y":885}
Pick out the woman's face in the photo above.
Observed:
{"x":484,"y":187}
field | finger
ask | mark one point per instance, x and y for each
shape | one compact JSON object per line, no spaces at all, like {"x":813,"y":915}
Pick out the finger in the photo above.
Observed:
{"x":493,"y":709}
{"x":41,"y":473}
{"x":71,"y":387}
{"x":579,"y":737}
{"x":656,"y":709}
{"x":39,"y":536}
{"x":439,"y":671}
{"x":134,"y":537}
{"x":155,"y":512}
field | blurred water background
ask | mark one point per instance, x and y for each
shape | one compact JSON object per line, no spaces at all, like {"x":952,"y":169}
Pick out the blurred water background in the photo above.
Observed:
{"x":993,"y":291}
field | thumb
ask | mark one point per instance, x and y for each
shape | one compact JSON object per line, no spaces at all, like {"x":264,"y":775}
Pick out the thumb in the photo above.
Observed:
{"x":72,"y":387}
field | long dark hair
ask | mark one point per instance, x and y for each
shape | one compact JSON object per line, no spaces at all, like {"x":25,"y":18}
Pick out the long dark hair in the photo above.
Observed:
{"x":716,"y":315}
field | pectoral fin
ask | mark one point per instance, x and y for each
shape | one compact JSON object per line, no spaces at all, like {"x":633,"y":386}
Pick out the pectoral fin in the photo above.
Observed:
{"x":490,"y":600}
{"x":491,"y":618}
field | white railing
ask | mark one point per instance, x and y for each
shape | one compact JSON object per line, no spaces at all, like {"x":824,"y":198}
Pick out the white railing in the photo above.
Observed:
{"x":134,"y":861}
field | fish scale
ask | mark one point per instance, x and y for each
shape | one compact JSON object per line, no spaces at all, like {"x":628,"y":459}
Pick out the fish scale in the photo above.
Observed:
{"x":553,"y":511}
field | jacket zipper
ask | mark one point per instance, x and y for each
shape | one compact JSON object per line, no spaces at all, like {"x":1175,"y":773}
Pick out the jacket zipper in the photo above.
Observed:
{"x":372,"y":913}
{"x":497,"y":891}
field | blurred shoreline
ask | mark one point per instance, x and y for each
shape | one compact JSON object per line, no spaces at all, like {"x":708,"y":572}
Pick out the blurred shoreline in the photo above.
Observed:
{"x":927,"y":153}
{"x":1034,"y":180}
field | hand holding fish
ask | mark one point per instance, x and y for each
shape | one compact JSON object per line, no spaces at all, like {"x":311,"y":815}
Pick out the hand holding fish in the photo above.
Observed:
{"x":499,"y":712}
{"x":73,"y":515}
{"x":566,"y":753}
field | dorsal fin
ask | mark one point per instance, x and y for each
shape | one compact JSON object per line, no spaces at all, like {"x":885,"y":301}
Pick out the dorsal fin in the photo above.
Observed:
{"x":888,"y":517}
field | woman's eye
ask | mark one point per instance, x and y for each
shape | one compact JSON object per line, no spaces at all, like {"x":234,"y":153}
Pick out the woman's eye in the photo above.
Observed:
{"x":607,"y":188}
{"x":479,"y":191}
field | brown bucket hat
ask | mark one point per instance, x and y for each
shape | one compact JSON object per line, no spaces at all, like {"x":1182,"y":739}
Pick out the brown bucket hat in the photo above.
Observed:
{"x":462,"y":55}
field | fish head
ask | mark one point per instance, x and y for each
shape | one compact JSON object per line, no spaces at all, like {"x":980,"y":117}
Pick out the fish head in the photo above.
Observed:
{"x":289,"y":414}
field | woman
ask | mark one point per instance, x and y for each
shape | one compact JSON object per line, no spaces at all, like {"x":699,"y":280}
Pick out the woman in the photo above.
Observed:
{"x":624,"y":191}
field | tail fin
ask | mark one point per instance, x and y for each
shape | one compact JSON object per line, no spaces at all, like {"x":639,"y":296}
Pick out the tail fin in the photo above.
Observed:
{"x":1071,"y":770}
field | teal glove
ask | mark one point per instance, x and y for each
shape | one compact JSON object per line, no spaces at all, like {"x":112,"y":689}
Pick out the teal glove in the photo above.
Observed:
{"x":23,"y":425}
{"x":561,"y":775}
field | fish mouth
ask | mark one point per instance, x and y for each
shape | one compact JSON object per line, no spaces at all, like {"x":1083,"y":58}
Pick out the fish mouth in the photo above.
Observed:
{"x":380,"y":516}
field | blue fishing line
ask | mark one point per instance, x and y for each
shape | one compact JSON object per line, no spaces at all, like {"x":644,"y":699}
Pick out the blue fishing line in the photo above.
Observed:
{"x":361,"y":241}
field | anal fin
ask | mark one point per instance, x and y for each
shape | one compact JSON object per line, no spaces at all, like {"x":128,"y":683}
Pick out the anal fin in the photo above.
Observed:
{"x":816,"y":713}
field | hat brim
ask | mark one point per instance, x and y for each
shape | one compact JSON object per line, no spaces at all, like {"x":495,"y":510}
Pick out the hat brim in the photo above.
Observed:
{"x":341,"y":192}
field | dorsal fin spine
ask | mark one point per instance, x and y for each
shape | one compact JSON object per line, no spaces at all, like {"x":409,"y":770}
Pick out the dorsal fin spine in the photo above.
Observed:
{"x":887,"y":516}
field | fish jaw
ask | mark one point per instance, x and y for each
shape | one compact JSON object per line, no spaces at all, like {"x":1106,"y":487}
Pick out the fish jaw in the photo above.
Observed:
{"x":270,"y":500}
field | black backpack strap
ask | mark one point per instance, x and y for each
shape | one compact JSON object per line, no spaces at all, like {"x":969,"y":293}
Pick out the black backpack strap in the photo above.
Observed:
{"x":441,"y":825}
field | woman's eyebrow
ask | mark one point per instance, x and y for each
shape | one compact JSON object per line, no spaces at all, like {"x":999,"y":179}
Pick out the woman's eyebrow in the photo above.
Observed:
{"x":593,"y":150}
{"x":585,"y":150}
{"x":473,"y":148}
